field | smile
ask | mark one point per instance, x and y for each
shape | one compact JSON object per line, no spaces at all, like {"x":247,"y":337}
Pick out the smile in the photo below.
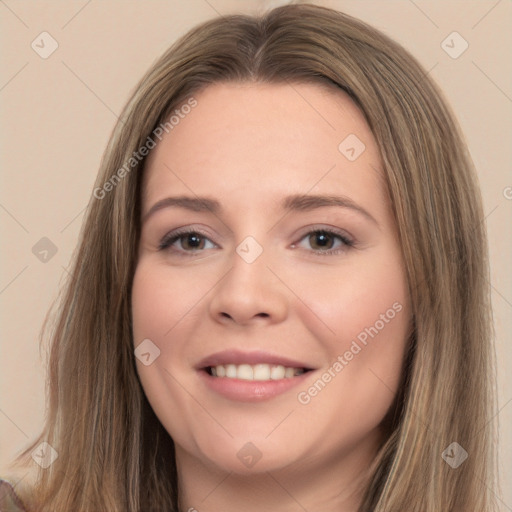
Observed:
{"x":259,"y":372}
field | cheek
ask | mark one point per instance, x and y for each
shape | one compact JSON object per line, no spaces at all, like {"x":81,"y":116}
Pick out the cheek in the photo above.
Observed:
{"x":160,"y":299}
{"x":366,"y":309}
{"x":344,"y":302}
{"x":155,"y":312}
{"x":158,"y":304}
{"x":151,"y":304}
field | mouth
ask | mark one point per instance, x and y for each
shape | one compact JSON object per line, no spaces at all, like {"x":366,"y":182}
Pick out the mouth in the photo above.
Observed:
{"x":258,"y":372}
{"x":251,"y":376}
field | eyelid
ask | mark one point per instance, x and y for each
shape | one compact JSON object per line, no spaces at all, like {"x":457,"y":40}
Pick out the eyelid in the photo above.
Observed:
{"x":347,"y":241}
{"x":172,"y":236}
{"x":342,"y":233}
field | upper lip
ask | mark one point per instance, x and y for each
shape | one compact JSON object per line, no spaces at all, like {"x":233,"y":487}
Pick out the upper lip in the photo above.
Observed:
{"x":235,"y":356}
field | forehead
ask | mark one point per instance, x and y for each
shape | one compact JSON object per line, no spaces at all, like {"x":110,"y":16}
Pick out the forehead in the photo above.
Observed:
{"x":248,"y":142}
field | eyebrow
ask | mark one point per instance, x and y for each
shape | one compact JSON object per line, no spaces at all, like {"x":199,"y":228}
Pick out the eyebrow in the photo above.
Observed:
{"x":195,"y":204}
{"x":300,"y":203}
{"x":312,"y":202}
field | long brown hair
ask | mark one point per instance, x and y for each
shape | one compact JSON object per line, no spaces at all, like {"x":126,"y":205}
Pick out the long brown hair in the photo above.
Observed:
{"x":113,"y":453}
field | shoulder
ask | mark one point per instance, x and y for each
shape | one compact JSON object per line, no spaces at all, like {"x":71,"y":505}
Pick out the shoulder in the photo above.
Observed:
{"x":9,"y":500}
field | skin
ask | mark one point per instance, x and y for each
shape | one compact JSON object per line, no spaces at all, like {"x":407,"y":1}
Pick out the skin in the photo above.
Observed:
{"x":248,"y":146}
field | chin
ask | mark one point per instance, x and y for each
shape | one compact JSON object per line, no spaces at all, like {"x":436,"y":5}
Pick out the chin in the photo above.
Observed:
{"x":242,"y":456}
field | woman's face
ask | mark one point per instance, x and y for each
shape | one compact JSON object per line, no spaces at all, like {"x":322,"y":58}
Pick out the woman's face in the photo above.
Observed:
{"x":269,"y":256}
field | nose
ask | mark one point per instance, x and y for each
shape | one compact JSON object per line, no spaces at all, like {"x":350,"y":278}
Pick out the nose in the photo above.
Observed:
{"x":249,"y":294}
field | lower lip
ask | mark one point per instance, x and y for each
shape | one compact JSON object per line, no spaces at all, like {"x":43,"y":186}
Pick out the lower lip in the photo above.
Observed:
{"x":250,"y":390}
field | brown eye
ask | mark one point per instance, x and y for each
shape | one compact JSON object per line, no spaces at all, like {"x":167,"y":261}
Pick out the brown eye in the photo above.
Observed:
{"x":325,"y":242}
{"x":192,"y":241}
{"x":321,"y":240}
{"x":185,"y":242}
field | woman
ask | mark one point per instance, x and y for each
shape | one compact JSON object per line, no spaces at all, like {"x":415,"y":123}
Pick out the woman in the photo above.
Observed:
{"x":279,"y":298}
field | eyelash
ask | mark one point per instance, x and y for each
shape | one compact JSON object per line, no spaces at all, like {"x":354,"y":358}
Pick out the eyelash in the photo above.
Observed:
{"x":346,"y":242}
{"x":171,"y":238}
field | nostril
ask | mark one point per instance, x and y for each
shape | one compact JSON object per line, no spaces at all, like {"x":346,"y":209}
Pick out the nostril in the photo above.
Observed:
{"x":241,"y":319}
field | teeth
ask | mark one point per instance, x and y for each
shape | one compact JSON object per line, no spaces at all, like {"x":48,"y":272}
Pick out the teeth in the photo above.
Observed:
{"x":277,"y":372}
{"x":245,"y":372}
{"x":288,"y":373}
{"x":230,"y":371}
{"x":255,"y":372}
{"x":261,"y":372}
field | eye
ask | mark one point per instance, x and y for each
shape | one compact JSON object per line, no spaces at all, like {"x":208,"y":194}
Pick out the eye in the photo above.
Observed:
{"x":326,"y":241}
{"x":185,"y":241}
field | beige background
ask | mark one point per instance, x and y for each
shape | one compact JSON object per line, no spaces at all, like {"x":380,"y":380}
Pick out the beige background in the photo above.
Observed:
{"x":57,"y":114}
